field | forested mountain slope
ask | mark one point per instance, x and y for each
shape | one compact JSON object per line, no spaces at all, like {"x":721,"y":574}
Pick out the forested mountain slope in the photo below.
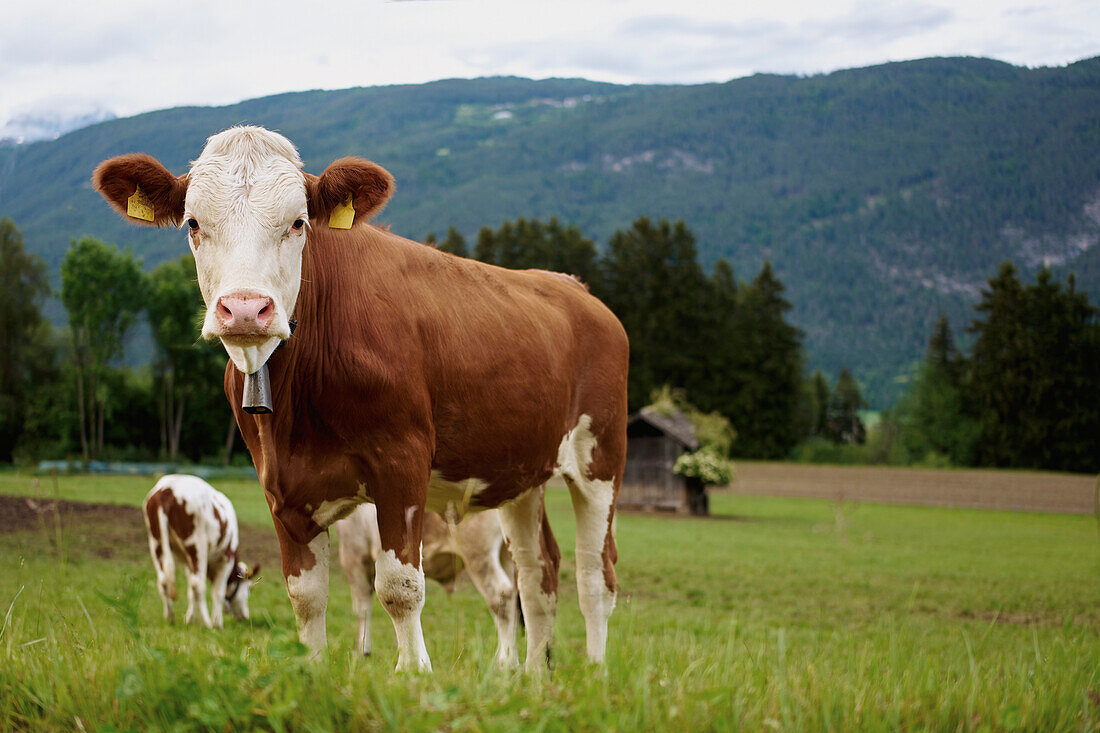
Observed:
{"x":880,"y":195}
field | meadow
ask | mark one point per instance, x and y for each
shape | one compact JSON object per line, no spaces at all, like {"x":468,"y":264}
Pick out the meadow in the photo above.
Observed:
{"x":774,"y":614}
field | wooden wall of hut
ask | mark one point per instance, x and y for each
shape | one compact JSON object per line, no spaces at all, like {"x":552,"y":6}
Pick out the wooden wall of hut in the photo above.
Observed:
{"x":648,"y":480}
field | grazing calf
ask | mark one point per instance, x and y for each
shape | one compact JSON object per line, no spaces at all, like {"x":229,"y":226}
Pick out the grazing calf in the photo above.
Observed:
{"x":189,"y":519}
{"x":475,"y":543}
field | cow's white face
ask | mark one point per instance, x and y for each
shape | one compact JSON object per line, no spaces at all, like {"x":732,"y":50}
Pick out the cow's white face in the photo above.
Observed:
{"x":246,"y":217}
{"x":247,"y":207}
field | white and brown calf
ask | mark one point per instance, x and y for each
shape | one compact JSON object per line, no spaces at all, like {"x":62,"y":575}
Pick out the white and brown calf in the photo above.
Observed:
{"x":475,"y":543}
{"x":189,"y":520}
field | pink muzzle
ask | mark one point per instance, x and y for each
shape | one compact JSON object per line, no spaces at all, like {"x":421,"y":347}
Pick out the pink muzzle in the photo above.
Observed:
{"x":244,"y":314}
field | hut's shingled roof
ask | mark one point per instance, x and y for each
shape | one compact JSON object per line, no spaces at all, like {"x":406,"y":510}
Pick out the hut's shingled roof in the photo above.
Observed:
{"x":676,"y":424}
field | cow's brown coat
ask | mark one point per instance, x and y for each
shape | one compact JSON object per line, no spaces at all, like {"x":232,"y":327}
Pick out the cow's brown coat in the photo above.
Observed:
{"x":361,"y":395}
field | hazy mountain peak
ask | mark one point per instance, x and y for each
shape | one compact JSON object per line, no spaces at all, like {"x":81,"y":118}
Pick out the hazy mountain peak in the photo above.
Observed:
{"x":49,"y":124}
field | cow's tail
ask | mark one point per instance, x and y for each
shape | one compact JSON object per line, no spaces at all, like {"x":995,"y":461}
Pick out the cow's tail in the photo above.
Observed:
{"x":166,"y":562}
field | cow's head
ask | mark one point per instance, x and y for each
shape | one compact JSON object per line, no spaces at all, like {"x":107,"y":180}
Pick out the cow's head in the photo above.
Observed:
{"x":237,"y":589}
{"x":247,"y":207}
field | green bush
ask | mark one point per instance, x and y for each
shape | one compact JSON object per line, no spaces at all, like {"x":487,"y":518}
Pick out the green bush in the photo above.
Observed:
{"x":822,"y":450}
{"x":706,"y":466}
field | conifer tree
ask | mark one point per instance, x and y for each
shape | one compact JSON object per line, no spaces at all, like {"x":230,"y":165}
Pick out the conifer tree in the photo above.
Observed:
{"x":844,"y":422}
{"x":769,"y":367}
{"x":935,"y":419}
{"x":717,"y":383}
{"x":1034,"y":380}
{"x":653,"y":283}
{"x":817,"y":396}
{"x":529,"y":243}
{"x":455,"y":243}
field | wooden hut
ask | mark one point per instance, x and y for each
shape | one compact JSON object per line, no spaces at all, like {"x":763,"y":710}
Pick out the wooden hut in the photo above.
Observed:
{"x":654,"y":441}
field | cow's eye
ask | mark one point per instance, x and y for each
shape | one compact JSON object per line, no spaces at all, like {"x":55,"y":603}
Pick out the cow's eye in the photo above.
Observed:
{"x":298,"y":224}
{"x":193,"y":224}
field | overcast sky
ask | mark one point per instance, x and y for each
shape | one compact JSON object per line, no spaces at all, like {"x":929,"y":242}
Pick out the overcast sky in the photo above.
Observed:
{"x":134,"y":56}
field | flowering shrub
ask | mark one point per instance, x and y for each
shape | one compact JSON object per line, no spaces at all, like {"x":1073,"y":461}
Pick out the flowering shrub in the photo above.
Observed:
{"x":706,"y":466}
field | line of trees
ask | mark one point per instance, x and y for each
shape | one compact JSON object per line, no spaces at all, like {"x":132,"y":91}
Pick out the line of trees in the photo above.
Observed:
{"x":725,"y":343}
{"x":1024,"y":393}
{"x":1027,"y":394}
{"x":68,"y":394}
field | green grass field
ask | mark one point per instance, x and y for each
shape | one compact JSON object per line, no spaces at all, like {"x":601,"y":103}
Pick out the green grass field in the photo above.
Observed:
{"x":785,"y":614}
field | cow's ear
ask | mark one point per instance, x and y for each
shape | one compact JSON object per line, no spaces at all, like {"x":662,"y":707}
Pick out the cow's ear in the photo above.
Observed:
{"x":141,"y":189}
{"x":254,"y":572}
{"x":366,"y":185}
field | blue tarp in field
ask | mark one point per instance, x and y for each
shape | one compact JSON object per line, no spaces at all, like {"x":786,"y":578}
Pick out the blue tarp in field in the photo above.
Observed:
{"x":145,"y":469}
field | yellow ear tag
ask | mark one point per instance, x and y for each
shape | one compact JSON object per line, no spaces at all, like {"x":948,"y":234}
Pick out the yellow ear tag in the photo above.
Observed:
{"x":139,"y":206}
{"x":343,"y":215}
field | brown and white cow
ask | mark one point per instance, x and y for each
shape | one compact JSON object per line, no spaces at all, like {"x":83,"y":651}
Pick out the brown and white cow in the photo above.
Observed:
{"x":476,"y":544}
{"x":414,"y":379}
{"x":189,"y":519}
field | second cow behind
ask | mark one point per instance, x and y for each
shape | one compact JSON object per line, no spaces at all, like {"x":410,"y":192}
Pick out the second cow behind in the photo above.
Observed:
{"x":190,"y":520}
{"x":475,"y":543}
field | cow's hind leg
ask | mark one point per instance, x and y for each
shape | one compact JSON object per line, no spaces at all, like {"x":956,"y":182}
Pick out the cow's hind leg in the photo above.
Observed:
{"x":594,"y":508}
{"x":359,"y":570}
{"x":536,"y":556}
{"x":196,"y":584}
{"x":479,"y":542}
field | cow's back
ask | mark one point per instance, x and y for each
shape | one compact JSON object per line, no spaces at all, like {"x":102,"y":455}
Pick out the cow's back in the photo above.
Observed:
{"x":512,"y":385}
{"x":456,"y":318}
{"x":506,"y":361}
{"x":195,"y":512}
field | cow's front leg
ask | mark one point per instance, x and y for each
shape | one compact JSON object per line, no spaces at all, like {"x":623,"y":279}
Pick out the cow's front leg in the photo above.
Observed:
{"x":305,"y":568}
{"x":196,"y":585}
{"x":166,"y":575}
{"x":399,"y":579}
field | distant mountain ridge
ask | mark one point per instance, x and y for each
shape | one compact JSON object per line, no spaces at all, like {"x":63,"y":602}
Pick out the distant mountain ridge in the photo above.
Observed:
{"x":882,"y":196}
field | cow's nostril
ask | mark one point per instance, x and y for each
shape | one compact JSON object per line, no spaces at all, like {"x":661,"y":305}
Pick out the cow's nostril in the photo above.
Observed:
{"x":245,"y":312}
